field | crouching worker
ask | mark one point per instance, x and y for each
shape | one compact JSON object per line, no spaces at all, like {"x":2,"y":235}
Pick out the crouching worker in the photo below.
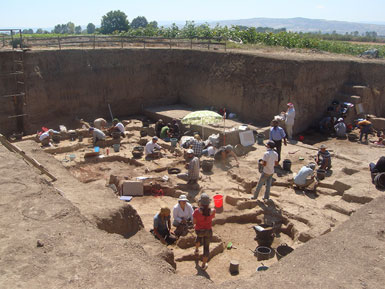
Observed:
{"x":162,"y":227}
{"x":192,"y":167}
{"x":323,"y":158}
{"x":224,"y":153}
{"x":305,"y":179}
{"x":97,"y":135}
{"x":45,"y":137}
{"x":203,"y":217}
{"x":117,"y":126}
{"x":150,"y":149}
{"x":183,"y":214}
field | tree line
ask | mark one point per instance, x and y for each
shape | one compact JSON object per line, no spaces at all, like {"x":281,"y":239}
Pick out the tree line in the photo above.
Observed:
{"x":116,"y":22}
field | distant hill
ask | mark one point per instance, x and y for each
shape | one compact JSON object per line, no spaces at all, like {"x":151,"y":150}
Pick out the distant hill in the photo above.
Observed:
{"x":305,"y":25}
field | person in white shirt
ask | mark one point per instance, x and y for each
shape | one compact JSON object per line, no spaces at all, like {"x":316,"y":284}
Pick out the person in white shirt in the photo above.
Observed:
{"x":305,"y":178}
{"x":149,"y":150}
{"x":183,"y":215}
{"x":289,"y":120}
{"x":97,"y":135}
{"x":45,"y":137}
{"x":270,"y":159}
{"x":117,"y":126}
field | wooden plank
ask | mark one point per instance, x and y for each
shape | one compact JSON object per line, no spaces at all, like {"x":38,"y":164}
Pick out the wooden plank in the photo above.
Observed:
{"x":32,"y":161}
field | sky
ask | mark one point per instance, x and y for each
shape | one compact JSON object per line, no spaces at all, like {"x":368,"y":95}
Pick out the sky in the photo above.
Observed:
{"x":46,"y":14}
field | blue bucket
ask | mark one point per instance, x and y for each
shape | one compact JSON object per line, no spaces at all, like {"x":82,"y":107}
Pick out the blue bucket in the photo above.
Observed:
{"x":96,"y":149}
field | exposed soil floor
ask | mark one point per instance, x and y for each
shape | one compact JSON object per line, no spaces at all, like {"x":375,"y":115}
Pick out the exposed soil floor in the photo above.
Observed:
{"x":299,"y":215}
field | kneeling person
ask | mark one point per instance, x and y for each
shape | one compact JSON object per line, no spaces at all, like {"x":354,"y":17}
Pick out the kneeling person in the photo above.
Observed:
{"x":162,"y":227}
{"x":193,"y":167}
{"x":183,"y":214}
{"x":305,"y":177}
{"x":150,"y":149}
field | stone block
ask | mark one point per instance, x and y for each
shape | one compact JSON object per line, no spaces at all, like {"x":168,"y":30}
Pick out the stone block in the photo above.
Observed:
{"x":356,"y":196}
{"x":378,"y":123}
{"x":355,"y":99}
{"x":132,"y":188}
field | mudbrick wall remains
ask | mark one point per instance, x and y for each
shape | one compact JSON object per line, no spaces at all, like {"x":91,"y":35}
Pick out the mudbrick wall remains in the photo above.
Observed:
{"x":62,"y":86}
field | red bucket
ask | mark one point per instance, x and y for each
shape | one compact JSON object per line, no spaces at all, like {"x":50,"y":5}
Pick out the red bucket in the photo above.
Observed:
{"x":218,"y":201}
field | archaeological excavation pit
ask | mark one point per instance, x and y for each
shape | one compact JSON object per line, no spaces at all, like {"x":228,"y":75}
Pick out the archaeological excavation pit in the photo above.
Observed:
{"x":141,"y":86}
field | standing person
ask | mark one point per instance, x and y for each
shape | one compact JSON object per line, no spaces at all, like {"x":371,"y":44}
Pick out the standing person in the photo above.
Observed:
{"x":97,"y":135}
{"x":340,"y":128}
{"x":270,"y":158}
{"x":203,"y":217}
{"x":162,"y":226}
{"x":365,"y":127}
{"x":289,"y":120}
{"x":277,"y":134}
{"x":323,"y":158}
{"x":193,"y":167}
{"x":183,"y":215}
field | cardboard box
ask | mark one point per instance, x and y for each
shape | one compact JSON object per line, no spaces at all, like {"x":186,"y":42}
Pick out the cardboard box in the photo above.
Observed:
{"x":132,"y":188}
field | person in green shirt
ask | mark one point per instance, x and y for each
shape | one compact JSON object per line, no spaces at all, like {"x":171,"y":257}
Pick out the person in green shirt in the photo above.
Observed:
{"x":164,"y":133}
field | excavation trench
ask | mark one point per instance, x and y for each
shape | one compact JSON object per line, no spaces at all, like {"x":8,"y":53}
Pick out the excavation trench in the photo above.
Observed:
{"x":295,"y":217}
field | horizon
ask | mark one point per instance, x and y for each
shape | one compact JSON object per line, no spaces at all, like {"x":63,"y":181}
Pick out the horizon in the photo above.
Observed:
{"x":46,"y":14}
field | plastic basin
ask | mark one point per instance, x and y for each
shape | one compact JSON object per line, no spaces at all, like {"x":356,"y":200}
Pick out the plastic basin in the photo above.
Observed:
{"x":218,"y":201}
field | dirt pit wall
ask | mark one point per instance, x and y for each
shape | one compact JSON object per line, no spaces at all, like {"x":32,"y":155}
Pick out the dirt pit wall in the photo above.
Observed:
{"x":62,"y":86}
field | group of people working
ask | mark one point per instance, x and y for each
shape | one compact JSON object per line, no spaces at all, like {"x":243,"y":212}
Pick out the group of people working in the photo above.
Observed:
{"x":185,"y":217}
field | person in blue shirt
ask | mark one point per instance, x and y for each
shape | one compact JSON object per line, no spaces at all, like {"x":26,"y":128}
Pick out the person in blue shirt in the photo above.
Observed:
{"x":277,"y":134}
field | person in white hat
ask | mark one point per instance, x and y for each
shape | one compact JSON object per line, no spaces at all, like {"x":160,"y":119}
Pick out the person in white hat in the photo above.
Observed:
{"x":305,"y":178}
{"x":323,"y":158}
{"x":183,"y":214}
{"x":340,"y":128}
{"x":192,"y":167}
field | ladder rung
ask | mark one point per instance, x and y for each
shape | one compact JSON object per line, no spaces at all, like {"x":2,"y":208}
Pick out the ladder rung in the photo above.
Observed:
{"x":20,"y":82}
{"x":18,"y":61}
{"x":12,"y":95}
{"x":11,"y":73}
{"x":19,"y":115}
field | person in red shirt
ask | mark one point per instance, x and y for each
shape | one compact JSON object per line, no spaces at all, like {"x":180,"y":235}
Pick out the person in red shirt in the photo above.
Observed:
{"x":202,"y":218}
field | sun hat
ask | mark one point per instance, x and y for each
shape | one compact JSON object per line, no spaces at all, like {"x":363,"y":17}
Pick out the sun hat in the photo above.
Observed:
{"x":182,"y":198}
{"x":204,"y":200}
{"x":271,"y":144}
{"x":311,"y":166}
{"x":340,"y":119}
{"x":190,"y":151}
{"x":229,"y":148}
